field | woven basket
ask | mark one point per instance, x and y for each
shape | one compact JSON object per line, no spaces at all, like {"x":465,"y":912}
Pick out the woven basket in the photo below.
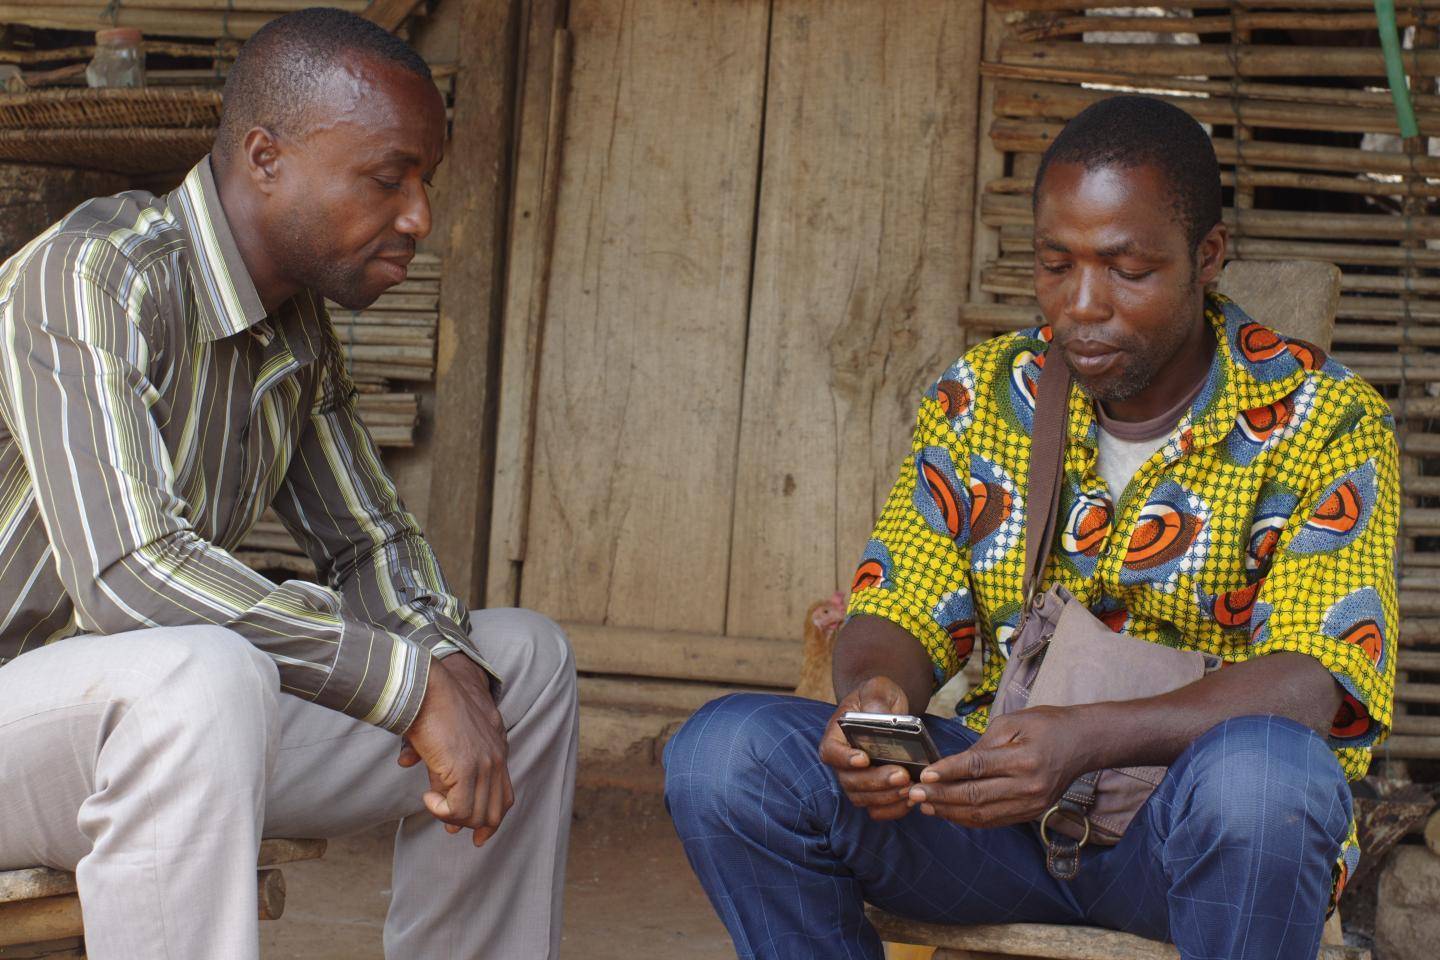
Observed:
{"x":121,"y":150}
{"x":53,"y":110}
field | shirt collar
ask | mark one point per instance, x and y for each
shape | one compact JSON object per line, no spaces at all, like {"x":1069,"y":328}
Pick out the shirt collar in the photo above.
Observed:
{"x":1253,"y":367}
{"x":227,"y":299}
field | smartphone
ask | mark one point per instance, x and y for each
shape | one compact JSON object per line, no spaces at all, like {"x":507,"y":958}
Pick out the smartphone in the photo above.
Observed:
{"x":891,"y":738}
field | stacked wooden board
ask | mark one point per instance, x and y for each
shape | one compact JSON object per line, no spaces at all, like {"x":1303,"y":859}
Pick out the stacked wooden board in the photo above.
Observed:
{"x":235,"y":19}
{"x":1315,"y":169}
{"x":390,"y":352}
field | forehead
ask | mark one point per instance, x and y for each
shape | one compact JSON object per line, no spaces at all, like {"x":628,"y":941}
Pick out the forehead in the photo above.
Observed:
{"x":1108,"y":203}
{"x":367,"y":108}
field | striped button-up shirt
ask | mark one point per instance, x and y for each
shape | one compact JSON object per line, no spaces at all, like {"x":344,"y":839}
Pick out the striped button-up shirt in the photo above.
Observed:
{"x":150,"y":410}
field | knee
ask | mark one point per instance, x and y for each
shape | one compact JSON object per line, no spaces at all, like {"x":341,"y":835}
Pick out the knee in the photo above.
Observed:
{"x":543,"y":657}
{"x":735,"y":747}
{"x":1262,"y":772}
{"x":211,"y":689}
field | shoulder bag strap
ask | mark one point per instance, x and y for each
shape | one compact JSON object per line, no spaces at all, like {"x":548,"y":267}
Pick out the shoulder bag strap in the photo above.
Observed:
{"x":1047,"y":466}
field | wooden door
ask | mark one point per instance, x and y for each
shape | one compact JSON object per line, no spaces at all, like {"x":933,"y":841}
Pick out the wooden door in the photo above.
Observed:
{"x":761,"y":241}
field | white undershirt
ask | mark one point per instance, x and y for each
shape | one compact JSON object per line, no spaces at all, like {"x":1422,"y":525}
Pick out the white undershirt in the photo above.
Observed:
{"x":1124,"y":446}
{"x":1117,"y":460}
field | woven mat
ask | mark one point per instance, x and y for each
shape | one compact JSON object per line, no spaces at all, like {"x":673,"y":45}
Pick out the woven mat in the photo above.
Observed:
{"x":168,"y":107}
{"x":121,"y":150}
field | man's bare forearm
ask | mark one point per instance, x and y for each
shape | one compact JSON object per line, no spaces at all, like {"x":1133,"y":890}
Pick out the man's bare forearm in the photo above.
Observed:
{"x":874,"y":647}
{"x":1156,"y":730}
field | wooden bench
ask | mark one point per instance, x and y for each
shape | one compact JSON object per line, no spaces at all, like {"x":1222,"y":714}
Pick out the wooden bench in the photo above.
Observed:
{"x":1017,"y":941}
{"x":40,"y":909}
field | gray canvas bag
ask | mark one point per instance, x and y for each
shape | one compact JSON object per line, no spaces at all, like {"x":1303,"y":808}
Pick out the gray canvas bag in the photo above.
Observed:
{"x":1062,"y":655}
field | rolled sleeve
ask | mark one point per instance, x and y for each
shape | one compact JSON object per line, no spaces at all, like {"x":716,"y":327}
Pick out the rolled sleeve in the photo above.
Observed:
{"x":915,"y":568}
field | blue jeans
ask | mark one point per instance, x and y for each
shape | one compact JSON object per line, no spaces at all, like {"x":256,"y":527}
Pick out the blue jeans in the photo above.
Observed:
{"x":1230,"y":858}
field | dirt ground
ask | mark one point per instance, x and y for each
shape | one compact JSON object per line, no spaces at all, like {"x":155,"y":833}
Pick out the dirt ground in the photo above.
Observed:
{"x":629,"y":893}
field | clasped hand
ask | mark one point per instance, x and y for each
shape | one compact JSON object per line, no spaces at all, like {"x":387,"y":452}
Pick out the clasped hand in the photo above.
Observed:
{"x":460,"y":736}
{"x":1016,"y":770}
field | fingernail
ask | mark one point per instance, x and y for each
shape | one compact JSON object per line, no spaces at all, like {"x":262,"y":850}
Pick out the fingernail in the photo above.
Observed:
{"x":929,"y":776}
{"x":917,"y":794}
{"x":898,"y":777}
{"x":927,"y":809}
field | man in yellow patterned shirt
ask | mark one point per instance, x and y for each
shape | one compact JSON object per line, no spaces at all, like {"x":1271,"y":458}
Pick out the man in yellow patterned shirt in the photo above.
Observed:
{"x":1226,"y":490}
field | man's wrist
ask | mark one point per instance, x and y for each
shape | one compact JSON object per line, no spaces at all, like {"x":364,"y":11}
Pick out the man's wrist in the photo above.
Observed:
{"x":463,"y":665}
{"x":1099,"y":736}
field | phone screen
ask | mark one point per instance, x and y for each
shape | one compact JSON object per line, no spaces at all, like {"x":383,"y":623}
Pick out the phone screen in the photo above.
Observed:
{"x":887,"y":747}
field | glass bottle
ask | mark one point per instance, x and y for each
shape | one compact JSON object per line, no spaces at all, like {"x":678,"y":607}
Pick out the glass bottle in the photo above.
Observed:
{"x":119,"y":59}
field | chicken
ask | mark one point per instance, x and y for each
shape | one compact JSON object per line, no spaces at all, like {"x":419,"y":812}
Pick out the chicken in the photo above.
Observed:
{"x":822,"y":622}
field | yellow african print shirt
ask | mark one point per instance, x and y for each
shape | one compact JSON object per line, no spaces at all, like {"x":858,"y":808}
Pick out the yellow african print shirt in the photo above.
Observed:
{"x":1266,"y":521}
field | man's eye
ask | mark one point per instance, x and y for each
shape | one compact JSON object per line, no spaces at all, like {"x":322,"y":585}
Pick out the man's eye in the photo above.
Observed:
{"x":387,"y":184}
{"x":1125,"y":275}
{"x":1053,"y":267}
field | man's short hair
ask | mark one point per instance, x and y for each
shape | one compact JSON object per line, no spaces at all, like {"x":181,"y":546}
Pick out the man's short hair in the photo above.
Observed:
{"x":1132,"y":131}
{"x":280,"y":74}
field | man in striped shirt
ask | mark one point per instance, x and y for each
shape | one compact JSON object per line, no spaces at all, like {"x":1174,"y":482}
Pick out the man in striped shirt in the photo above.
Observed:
{"x":168,"y":372}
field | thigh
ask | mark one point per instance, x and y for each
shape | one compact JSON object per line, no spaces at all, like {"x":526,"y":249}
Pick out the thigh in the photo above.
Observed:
{"x":749,"y":766}
{"x":930,"y":869}
{"x":68,"y":705}
{"x":50,"y":709}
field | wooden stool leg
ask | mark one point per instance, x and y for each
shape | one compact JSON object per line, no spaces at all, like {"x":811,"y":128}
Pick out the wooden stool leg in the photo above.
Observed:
{"x":908,"y":951}
{"x":270,"y":885}
{"x":1333,"y":935}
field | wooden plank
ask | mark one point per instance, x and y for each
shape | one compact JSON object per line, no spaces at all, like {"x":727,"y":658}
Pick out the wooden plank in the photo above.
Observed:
{"x":390,"y":13}
{"x":683,"y":697}
{"x":545,"y":86}
{"x":31,"y":921}
{"x":1210,"y":59}
{"x":989,"y":160}
{"x":67,"y":948}
{"x":1050,"y":941}
{"x":37,"y":882}
{"x":641,"y":362}
{"x":756,"y":661}
{"x":1296,"y":297}
{"x":56,"y":918}
{"x":468,"y":354}
{"x":862,"y":259}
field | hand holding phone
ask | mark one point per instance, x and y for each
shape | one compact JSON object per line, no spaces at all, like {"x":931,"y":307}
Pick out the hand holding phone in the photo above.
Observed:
{"x":880,"y":789}
{"x":890,"y":738}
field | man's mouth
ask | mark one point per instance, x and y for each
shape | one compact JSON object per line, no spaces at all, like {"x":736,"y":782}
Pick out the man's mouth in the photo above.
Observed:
{"x":1091,"y":357}
{"x":396,"y":268}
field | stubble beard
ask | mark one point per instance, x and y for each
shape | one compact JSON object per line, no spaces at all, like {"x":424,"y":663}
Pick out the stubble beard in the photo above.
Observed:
{"x":321,"y":274}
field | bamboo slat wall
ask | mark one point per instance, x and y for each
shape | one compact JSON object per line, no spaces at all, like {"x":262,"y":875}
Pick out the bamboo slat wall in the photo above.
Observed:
{"x":1314,"y":168}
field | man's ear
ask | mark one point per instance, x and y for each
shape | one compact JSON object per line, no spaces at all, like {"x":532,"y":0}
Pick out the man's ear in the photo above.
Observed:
{"x":262,"y":154}
{"x":1210,"y":255}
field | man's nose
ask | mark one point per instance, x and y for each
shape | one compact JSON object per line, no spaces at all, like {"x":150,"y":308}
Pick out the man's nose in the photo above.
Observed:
{"x":415,"y":220}
{"x":1089,"y":297}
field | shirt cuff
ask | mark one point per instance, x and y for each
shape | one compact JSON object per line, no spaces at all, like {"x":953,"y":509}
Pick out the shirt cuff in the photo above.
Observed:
{"x":443,"y":642}
{"x":892,"y":605}
{"x":377,"y":677}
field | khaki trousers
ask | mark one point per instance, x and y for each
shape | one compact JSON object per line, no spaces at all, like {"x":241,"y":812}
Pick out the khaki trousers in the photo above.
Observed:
{"x":152,"y":763}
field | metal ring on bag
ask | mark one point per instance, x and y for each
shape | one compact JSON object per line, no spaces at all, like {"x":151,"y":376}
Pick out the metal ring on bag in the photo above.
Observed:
{"x":1045,"y":837}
